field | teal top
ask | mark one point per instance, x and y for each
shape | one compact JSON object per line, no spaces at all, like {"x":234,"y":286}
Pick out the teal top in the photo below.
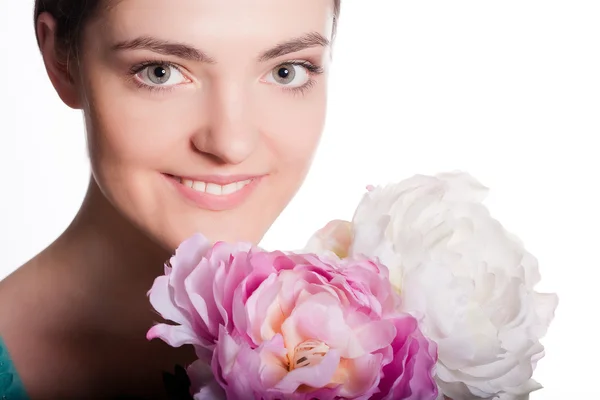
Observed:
{"x":11,"y":387}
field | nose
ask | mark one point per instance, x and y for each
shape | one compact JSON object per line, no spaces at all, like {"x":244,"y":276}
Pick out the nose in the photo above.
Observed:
{"x":229,"y":134}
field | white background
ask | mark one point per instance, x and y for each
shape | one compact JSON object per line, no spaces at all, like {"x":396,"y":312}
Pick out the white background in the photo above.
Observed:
{"x":506,"y":90}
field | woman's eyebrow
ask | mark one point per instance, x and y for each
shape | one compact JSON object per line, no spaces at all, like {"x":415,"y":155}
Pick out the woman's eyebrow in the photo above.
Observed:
{"x":187,"y":52}
{"x":164,"y":47}
{"x":312,"y":39}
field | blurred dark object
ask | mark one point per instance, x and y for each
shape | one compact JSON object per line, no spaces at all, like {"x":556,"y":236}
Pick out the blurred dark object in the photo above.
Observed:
{"x":177,"y":384}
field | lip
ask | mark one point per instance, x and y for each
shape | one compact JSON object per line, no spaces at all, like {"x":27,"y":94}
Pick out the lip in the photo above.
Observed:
{"x":220,"y":179}
{"x":213,"y":202}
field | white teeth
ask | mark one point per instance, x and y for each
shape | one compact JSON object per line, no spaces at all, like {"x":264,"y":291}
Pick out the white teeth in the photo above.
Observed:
{"x":241,"y":184}
{"x":199,"y":186}
{"x":228,"y":189}
{"x":213,"y":188}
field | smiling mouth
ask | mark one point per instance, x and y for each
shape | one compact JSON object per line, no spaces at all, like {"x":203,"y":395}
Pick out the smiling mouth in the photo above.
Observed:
{"x":213,"y":188}
{"x":216,"y":192}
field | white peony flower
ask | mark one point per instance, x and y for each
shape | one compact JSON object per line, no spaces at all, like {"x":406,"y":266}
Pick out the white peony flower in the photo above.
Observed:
{"x":335,"y":237}
{"x":467,"y":279}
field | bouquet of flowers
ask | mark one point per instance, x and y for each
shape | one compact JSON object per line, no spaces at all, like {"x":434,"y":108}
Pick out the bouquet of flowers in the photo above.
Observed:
{"x":421,"y":296}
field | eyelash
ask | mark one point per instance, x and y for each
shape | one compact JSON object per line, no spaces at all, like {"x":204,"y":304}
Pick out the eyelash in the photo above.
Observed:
{"x":312,"y":69}
{"x":136,"y":69}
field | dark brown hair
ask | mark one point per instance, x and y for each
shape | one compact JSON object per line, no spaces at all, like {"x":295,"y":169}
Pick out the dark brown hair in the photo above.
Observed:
{"x":72,"y":15}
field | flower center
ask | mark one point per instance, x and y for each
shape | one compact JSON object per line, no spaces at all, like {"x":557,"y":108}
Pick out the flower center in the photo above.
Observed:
{"x":309,"y":352}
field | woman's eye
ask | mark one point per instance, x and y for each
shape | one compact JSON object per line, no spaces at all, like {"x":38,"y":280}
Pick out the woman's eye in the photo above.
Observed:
{"x":161,"y":75}
{"x":289,"y":75}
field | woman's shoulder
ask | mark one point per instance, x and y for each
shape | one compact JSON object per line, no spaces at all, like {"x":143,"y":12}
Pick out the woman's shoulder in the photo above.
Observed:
{"x":11,"y":387}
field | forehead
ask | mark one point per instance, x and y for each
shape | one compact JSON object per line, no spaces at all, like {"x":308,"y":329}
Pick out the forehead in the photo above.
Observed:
{"x":215,"y":23}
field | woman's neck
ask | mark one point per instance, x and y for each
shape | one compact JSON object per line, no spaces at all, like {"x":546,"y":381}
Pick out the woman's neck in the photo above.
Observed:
{"x":83,"y":305}
{"x":107,"y":265}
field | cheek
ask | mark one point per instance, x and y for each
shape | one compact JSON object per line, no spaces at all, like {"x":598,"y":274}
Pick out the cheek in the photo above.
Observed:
{"x":134,"y":128}
{"x":293,"y":129}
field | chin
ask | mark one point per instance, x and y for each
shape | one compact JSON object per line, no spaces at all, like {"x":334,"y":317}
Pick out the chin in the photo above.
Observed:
{"x":231,"y":235}
{"x":226,"y":233}
{"x":248,"y":222}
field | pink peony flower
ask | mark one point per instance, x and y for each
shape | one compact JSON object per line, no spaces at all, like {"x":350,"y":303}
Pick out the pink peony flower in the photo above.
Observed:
{"x":290,"y":326}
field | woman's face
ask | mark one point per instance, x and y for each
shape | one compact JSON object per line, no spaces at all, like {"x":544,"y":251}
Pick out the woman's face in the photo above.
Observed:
{"x":204,"y":115}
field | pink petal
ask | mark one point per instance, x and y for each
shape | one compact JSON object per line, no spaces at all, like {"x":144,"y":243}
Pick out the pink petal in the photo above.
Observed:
{"x":257,"y":307}
{"x":174,"y":335}
{"x":236,"y":274}
{"x":199,"y":287}
{"x":200,"y":375}
{"x":363,"y":377}
{"x":375,"y":335}
{"x":319,"y":317}
{"x":272,"y":368}
{"x":187,"y":257}
{"x":161,"y":299}
{"x":212,"y":391}
{"x":410,"y":374}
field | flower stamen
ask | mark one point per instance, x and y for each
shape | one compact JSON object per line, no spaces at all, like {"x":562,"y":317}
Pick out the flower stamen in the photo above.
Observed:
{"x":309,"y":352}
